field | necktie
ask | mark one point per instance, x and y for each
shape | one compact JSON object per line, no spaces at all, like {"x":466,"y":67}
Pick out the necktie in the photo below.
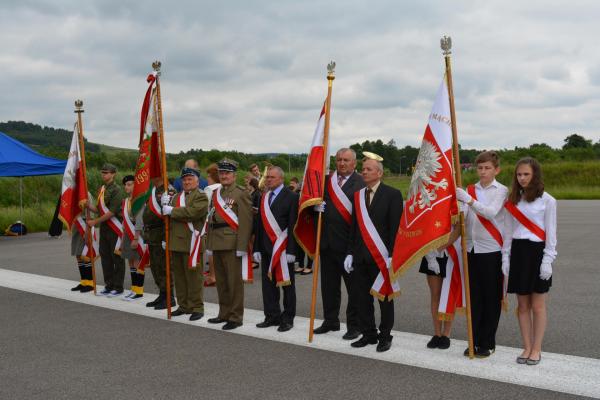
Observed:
{"x":340,"y":180}
{"x":271,"y":195}
{"x":368,"y":197}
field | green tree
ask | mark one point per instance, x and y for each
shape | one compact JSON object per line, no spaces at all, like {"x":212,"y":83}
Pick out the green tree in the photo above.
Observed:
{"x":576,"y":141}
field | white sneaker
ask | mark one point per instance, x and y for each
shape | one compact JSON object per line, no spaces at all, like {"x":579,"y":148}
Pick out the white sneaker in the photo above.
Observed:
{"x":128,"y":296}
{"x":114,"y":293}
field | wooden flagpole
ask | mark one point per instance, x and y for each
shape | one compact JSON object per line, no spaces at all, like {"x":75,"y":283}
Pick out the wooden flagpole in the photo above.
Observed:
{"x":88,"y":230}
{"x":163,"y":165}
{"x":446,"y":44}
{"x":313,"y":303}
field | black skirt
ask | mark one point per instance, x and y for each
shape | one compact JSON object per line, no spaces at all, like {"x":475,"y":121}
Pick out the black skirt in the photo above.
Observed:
{"x":525,"y":261}
{"x":425,"y":270}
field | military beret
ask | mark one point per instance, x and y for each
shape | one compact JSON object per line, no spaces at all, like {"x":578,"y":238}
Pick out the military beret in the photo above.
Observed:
{"x":128,"y":178}
{"x":227,"y":165}
{"x":108,"y":167}
{"x":189,"y":172}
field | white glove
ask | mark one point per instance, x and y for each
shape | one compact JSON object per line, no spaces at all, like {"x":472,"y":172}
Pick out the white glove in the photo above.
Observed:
{"x":319,"y":207}
{"x":164,"y":245}
{"x":167,"y":210}
{"x":463,"y":196}
{"x":290,"y":258}
{"x":432,"y":263}
{"x":208,"y":252}
{"x":239,"y":253}
{"x":505,"y":267}
{"x":256,"y":257}
{"x":348,"y":263}
{"x":165,"y":199}
{"x":545,"y":271}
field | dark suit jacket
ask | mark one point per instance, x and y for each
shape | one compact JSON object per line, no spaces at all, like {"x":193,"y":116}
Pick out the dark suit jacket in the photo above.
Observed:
{"x":285,"y":211}
{"x":385,"y":212}
{"x":335,"y":231}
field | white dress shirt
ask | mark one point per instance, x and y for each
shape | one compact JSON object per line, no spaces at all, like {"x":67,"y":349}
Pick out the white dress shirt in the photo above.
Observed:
{"x":275,"y":193}
{"x":490,"y":205}
{"x":542,"y":212}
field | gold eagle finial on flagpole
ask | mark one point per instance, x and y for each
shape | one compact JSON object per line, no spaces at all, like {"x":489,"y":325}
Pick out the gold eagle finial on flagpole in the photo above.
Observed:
{"x":446,"y":45}
{"x":331,"y":70}
{"x":156,"y":66}
{"x":78,"y":106}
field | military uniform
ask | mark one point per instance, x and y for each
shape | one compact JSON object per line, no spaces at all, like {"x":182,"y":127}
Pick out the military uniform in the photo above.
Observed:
{"x":113,"y":266}
{"x":154,"y":235}
{"x":188,"y":281}
{"x":227,"y":246}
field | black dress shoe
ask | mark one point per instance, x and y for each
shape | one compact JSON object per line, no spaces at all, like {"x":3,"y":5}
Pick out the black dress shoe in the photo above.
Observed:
{"x":351,"y":335}
{"x":466,"y":352}
{"x":178,"y":312}
{"x":216,"y":320}
{"x":155,"y":301}
{"x":482,"y":353}
{"x":443,"y":342}
{"x":284,"y":327}
{"x":196,"y":316}
{"x":86,"y":289}
{"x":231,"y":325}
{"x":326,"y":328}
{"x":267,"y":323}
{"x":384,"y":345}
{"x":162,"y":304}
{"x":77,"y":288}
{"x":434,"y":342}
{"x":363,"y":341}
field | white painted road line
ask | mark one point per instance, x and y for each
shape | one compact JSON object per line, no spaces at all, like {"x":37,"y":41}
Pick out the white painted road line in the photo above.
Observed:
{"x":557,"y":372}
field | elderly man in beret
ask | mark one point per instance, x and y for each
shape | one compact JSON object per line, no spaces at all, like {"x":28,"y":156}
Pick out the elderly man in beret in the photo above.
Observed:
{"x":187,"y":210}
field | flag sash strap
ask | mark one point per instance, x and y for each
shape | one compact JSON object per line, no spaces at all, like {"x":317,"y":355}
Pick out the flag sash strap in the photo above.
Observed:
{"x":129,"y":229}
{"x":224,"y":210}
{"x":452,"y":294}
{"x":382,"y":287}
{"x":195,"y":243}
{"x":279,"y":238}
{"x":112,"y":222}
{"x":526,"y":222}
{"x":247,"y":271}
{"x":340,"y":201}
{"x":153,"y":204}
{"x":80,"y":225}
{"x":487,"y":224}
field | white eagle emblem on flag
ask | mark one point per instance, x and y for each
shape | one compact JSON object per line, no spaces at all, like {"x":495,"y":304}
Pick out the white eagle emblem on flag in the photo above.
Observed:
{"x":423,"y":188}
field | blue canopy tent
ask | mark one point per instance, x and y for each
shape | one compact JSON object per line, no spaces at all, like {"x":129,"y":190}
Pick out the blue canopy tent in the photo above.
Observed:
{"x":18,"y":160}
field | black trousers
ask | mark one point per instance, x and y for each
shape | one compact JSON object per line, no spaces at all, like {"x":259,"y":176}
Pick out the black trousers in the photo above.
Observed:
{"x":113,"y":266}
{"x":332,"y":273}
{"x":365,"y":276}
{"x":485,"y":280}
{"x":271,"y":294}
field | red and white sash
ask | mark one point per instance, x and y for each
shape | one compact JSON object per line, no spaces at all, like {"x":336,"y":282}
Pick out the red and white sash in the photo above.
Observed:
{"x":382,"y":287}
{"x":452,"y":295}
{"x":495,"y":233}
{"x":525,"y":221}
{"x":113,"y":222}
{"x":232,"y":220}
{"x":153,"y":204}
{"x":195,"y":243}
{"x":129,"y":229}
{"x":87,"y":253}
{"x":339,"y":199}
{"x":279,"y":239}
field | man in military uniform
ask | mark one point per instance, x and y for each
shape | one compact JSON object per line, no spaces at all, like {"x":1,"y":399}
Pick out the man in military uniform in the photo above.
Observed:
{"x":188,"y":211}
{"x":229,"y":230}
{"x":109,"y":208}
{"x":154,"y":235}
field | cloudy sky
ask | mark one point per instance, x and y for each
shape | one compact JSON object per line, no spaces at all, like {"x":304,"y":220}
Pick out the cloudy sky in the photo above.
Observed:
{"x":250,"y":75}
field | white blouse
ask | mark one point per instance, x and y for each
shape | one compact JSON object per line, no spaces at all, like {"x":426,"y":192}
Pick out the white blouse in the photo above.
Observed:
{"x":542,"y":212}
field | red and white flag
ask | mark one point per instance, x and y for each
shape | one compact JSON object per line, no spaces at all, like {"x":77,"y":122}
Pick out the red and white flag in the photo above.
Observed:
{"x":431,"y":206}
{"x":74,"y":191}
{"x":453,"y":289}
{"x":312,"y":188}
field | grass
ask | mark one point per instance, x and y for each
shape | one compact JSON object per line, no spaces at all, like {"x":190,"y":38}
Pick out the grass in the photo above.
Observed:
{"x":36,"y":218}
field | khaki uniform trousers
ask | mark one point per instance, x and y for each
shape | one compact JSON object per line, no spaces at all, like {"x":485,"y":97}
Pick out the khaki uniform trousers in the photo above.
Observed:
{"x":230,"y":286}
{"x":188,"y":283}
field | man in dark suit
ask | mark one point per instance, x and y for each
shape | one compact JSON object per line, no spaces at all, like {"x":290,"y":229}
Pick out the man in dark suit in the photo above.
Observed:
{"x":384,"y":207}
{"x":337,"y":221}
{"x":282,"y":206}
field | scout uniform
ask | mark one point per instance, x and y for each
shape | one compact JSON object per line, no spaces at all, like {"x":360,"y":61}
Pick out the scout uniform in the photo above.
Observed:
{"x":113,"y":266}
{"x":78,"y":247}
{"x":132,"y":228}
{"x":229,"y":230}
{"x":154,"y":235}
{"x":188,"y":212}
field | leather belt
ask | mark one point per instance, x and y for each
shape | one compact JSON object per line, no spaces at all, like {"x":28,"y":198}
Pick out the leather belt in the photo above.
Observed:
{"x":219,"y":225}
